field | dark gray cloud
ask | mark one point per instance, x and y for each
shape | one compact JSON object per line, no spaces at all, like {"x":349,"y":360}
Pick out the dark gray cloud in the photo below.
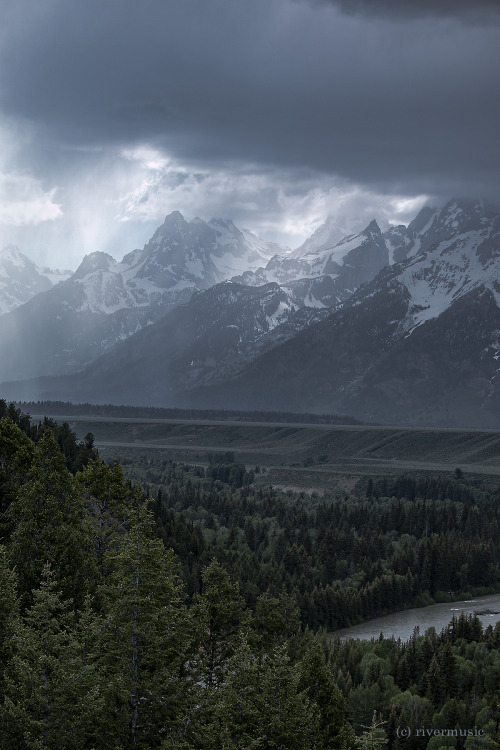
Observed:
{"x":480,"y":11}
{"x":405,"y":105}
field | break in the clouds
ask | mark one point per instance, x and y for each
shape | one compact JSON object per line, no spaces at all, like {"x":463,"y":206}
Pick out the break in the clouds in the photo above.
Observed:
{"x":267,"y":112}
{"x":288,"y":206}
{"x":23,"y":201}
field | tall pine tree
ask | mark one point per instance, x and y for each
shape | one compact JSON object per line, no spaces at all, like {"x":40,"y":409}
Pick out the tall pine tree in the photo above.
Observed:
{"x":51,"y":694}
{"x":144,"y":643}
{"x":50,"y":525}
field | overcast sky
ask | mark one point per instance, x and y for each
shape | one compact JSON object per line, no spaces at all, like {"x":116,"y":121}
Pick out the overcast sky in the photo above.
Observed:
{"x":274,"y":113}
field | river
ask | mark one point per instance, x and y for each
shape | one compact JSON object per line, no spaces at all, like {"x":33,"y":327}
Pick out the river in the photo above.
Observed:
{"x":402,"y":624}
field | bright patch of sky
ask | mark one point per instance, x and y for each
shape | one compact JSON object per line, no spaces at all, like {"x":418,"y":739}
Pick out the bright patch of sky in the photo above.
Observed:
{"x":117,"y":199}
{"x":23,"y":201}
{"x":276,"y":205}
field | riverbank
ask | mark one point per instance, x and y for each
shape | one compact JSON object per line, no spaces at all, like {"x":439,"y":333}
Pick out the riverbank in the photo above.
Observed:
{"x":402,"y":624}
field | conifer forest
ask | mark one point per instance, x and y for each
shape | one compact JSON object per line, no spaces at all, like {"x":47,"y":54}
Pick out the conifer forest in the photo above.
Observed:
{"x":192,"y":608}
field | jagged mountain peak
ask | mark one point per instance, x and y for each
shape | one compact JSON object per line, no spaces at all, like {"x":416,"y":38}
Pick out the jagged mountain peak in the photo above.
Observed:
{"x":94,"y":262}
{"x":174,"y":217}
{"x":456,"y":215}
{"x":461,"y":215}
{"x":403,"y":317}
{"x":14,"y":261}
{"x":341,"y":267}
{"x":338,"y":250}
{"x":372,"y":228}
{"x":422,"y":220}
{"x":21,"y":279}
{"x":226,"y":234}
{"x":173,"y":226}
{"x":225,"y":223}
{"x":173,"y":230}
{"x":12,"y":255}
{"x":202,"y":254}
{"x":132,"y":258}
{"x":334,"y":229}
{"x":456,"y":252}
{"x":106,"y":301}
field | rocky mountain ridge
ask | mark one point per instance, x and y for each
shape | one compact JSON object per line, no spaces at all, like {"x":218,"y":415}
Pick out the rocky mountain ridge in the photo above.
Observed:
{"x":389,"y":349}
{"x":105,"y":301}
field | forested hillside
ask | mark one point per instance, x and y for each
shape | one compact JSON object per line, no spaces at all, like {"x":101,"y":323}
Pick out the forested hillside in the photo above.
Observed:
{"x":343,"y":559}
{"x":187,"y":617}
{"x":66,"y":408}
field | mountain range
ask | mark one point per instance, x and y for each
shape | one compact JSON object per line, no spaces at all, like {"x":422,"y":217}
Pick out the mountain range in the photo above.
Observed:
{"x":106,"y":301}
{"x":400,"y":326}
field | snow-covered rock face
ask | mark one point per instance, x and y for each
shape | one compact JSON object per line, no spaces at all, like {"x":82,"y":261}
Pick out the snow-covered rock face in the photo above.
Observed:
{"x":238,"y":250}
{"x":352,"y":259}
{"x":459,"y":242}
{"x":181,"y":258}
{"x":327,"y":236}
{"x":441,"y":256}
{"x":456,"y":252}
{"x":348,"y":262}
{"x":106,"y":301}
{"x":21,"y":279}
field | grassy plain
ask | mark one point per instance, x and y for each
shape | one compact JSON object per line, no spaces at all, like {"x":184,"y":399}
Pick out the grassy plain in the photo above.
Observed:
{"x":298,"y":456}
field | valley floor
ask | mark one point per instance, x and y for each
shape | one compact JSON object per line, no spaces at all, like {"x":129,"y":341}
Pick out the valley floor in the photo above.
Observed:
{"x":299,"y":457}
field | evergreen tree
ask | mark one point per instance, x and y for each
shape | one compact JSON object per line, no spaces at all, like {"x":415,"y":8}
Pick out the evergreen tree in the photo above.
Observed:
{"x":374,"y":737}
{"x":218,"y":613}
{"x":232,"y":713}
{"x":109,"y":501}
{"x":9,"y":612}
{"x":145,"y":641}
{"x":276,"y":619}
{"x":436,"y":687}
{"x":50,"y":525}
{"x":447,"y":665}
{"x":16,"y":454}
{"x":51,"y":695}
{"x":288,"y":717}
{"x":317,"y":680}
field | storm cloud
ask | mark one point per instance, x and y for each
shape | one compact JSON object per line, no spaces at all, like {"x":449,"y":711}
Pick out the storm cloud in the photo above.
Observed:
{"x":481,"y":11}
{"x":390,"y":98}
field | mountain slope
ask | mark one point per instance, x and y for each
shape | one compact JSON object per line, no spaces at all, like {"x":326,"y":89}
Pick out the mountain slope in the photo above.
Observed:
{"x":21,"y":279}
{"x":106,"y":301}
{"x":445,"y":373}
{"x":311,"y":369}
{"x":419,"y":344}
{"x":208,"y":339}
{"x":357,"y":362}
{"x":344,"y":266}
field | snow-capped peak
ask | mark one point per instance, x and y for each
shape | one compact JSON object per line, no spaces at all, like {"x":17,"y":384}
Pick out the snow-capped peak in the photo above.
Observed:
{"x":454,"y":251}
{"x":11,"y":257}
{"x":328,"y":235}
{"x":180,"y":258}
{"x":97,"y":261}
{"x":21,"y":279}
